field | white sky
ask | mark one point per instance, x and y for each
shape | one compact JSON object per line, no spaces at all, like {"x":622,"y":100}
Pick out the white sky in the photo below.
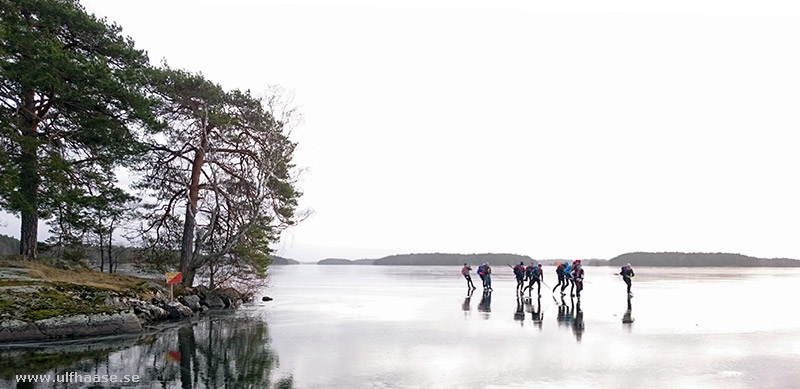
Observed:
{"x":556,"y":129}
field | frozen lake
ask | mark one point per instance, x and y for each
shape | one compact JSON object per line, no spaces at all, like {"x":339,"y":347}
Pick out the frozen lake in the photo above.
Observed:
{"x":397,"y":326}
{"x":375,"y":326}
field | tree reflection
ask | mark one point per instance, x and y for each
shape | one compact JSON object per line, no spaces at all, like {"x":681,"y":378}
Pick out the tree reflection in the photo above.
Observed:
{"x":218,"y":352}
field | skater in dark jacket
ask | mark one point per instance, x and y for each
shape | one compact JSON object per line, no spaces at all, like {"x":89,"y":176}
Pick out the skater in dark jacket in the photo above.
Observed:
{"x":535,"y":275}
{"x":577,"y":278}
{"x":560,"y":273}
{"x":627,"y":274}
{"x":568,"y":280}
{"x":519,"y":273}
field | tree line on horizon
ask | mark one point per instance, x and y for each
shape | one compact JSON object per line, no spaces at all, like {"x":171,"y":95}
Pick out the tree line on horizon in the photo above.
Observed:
{"x":662,"y":259}
{"x":79,"y":103}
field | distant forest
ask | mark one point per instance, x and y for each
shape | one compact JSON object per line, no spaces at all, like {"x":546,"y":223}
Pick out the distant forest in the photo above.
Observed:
{"x":673,"y":259}
{"x":435,"y":259}
{"x":339,"y":261}
{"x":699,"y":260}
{"x":276,"y":260}
{"x":452,"y":259}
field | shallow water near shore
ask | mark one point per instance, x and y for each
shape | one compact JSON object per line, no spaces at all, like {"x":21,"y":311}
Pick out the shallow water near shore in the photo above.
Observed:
{"x":399,"y":326}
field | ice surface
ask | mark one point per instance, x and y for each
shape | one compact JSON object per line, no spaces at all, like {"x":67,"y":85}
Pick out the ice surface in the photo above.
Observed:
{"x":415,"y":326}
{"x":403,"y":326}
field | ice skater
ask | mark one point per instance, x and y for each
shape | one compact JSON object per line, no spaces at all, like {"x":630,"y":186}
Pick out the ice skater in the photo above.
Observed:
{"x":465,"y":272}
{"x":519,"y":273}
{"x":568,"y":280}
{"x":577,"y":278}
{"x":535,"y":276}
{"x":482,"y":274}
{"x":485,"y":271}
{"x":627,"y":274}
{"x":560,"y":274}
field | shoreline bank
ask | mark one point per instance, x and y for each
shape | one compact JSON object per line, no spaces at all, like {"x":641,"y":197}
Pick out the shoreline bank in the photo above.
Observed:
{"x":39,"y":303}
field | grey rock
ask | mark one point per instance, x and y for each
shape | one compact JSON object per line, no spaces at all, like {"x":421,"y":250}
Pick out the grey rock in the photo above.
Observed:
{"x":184,"y":310}
{"x":63,"y":326}
{"x":17,"y":274}
{"x":116,"y":323}
{"x":142,"y":313}
{"x":67,"y":327}
{"x":213,"y":301}
{"x":226,"y":300}
{"x":202,"y":291}
{"x":117,"y":301}
{"x":149,"y":312}
{"x":191,"y":301}
{"x":229,"y":296}
{"x":176,"y":310}
{"x":157,"y":312}
{"x":18,"y":330}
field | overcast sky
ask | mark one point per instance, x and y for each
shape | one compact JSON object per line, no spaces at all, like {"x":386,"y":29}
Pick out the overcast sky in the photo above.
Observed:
{"x":555,"y":129}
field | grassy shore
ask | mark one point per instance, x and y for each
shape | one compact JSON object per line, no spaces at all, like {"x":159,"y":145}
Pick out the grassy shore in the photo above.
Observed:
{"x":31,"y":291}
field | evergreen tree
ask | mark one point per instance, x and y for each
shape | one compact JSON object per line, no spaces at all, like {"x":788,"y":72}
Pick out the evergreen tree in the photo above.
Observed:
{"x":71,"y":100}
{"x":223,"y":161}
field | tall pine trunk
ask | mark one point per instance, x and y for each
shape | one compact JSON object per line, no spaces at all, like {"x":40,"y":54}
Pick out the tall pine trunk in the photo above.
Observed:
{"x":189,"y":224}
{"x":102,"y":252}
{"x":109,"y":247}
{"x":187,"y":244}
{"x":29,"y":179}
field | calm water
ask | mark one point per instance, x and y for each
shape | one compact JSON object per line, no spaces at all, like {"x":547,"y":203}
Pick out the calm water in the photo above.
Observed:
{"x":375,"y":326}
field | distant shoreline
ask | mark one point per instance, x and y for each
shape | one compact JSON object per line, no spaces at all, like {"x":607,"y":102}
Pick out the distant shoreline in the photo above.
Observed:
{"x":643,"y":259}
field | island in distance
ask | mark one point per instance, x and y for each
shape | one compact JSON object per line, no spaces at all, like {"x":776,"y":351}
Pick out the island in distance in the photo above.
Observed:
{"x":276,"y":260}
{"x":666,"y":259}
{"x":339,"y":261}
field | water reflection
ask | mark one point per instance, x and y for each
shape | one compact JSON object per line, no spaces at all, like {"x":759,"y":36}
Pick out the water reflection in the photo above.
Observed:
{"x":564,"y":317}
{"x":485,"y":306}
{"x":35,"y":359}
{"x":216,"y":352}
{"x":519,"y":314}
{"x":536,"y":313}
{"x":578,"y":326}
{"x":627,"y":319}
{"x":465,"y":306}
{"x":570,"y":315}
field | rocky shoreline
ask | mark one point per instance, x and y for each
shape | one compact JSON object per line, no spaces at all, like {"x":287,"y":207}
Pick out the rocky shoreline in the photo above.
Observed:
{"x":128,"y":315}
{"x":35,"y":310}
